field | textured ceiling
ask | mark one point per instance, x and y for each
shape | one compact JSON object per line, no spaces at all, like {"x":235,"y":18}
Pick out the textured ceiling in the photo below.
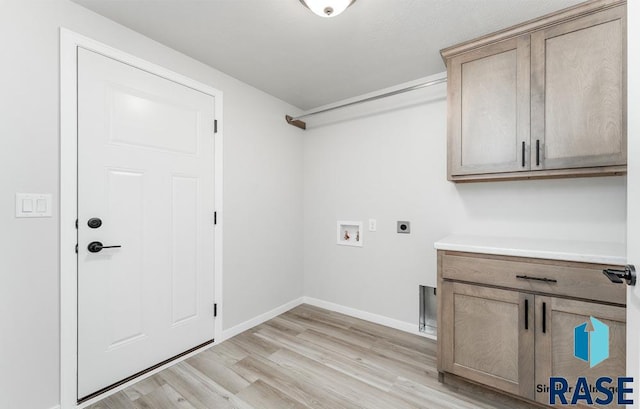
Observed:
{"x":283,"y":49}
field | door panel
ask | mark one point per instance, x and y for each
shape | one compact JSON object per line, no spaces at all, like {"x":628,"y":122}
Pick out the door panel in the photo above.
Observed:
{"x":125,"y":272}
{"x":146,"y":169}
{"x":491,"y":339}
{"x":555,"y":344}
{"x":489,"y":107}
{"x":140,"y":119}
{"x":184,"y":248}
{"x":578,"y":82}
{"x":489,"y":85}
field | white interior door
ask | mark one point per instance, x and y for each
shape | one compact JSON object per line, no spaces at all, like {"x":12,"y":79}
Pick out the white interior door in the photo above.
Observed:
{"x":146,"y":170}
{"x":633,"y":192}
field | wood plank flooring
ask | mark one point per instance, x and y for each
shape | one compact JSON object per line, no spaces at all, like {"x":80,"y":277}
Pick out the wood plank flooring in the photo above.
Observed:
{"x":308,"y":358}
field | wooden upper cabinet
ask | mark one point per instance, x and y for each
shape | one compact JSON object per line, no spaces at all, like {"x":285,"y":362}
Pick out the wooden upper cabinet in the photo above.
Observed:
{"x":578,"y":92}
{"x":489,"y":108}
{"x":546,"y":98}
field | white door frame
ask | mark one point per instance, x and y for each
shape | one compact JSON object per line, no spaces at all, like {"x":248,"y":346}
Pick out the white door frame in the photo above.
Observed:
{"x":633,"y":194}
{"x":69,"y":43}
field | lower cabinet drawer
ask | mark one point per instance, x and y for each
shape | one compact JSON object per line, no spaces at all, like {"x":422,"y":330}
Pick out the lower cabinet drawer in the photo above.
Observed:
{"x":570,"y":279}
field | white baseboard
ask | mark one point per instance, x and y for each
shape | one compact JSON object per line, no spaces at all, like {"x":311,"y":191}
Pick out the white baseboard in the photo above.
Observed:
{"x":56,"y":407}
{"x":235,"y":330}
{"x":369,"y":316}
{"x":352,"y":312}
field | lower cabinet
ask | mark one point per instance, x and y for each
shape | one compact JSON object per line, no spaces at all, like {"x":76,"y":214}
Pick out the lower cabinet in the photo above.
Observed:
{"x":491,"y":336}
{"x":561,"y":325}
{"x":516,"y":339}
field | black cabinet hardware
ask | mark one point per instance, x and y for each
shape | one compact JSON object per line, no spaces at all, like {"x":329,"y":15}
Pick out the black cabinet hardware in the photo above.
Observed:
{"x":616,"y":276}
{"x":538,"y":152}
{"x":546,"y":280}
{"x":544,"y":317}
{"x":96,"y":247}
{"x":526,"y":314}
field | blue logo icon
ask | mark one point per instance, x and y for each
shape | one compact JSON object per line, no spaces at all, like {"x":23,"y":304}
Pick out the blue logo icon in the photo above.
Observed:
{"x":591,"y":342}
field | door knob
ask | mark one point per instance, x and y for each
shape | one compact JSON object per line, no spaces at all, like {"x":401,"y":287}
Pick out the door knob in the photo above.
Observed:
{"x":616,"y":276}
{"x":96,"y":247}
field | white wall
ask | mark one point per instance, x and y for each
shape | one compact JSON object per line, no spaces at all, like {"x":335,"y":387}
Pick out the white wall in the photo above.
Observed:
{"x":388,"y":161}
{"x":262,"y":190}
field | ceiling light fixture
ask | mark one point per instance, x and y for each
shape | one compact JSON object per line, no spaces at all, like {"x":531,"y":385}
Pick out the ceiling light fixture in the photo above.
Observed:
{"x":327,"y":8}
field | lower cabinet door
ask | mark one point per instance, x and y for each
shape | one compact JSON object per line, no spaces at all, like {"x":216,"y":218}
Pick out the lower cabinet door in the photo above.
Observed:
{"x":579,"y":339}
{"x":491,"y":339}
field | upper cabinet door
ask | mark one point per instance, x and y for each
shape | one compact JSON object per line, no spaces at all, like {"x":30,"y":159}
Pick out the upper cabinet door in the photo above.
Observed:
{"x":578,"y":104}
{"x":489,"y":109}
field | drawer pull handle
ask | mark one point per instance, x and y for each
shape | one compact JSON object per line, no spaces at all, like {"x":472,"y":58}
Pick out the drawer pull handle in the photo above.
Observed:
{"x":546,"y":280}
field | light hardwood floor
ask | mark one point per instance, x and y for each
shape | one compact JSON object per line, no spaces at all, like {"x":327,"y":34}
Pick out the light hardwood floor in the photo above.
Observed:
{"x":308,"y":358}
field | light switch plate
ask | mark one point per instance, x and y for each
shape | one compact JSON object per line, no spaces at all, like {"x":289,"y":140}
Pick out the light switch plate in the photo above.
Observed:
{"x":373,"y":225}
{"x":33,"y":205}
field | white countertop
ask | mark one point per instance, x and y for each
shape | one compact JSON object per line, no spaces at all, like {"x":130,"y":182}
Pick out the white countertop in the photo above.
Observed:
{"x":569,"y":250}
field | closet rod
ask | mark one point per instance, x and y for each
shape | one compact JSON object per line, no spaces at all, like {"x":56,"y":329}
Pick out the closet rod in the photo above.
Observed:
{"x":295,"y":121}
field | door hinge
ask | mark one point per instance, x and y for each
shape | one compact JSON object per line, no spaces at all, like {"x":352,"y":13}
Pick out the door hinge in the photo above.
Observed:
{"x":215,"y":126}
{"x":76,"y":223}
{"x":215,"y":217}
{"x":76,"y":249}
{"x":215,"y":310}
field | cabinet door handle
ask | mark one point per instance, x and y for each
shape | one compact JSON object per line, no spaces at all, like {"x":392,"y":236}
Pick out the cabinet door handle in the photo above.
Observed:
{"x":538,"y":152}
{"x":544,"y":279}
{"x":526,"y":313}
{"x":523,"y":149}
{"x":544,"y":317}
